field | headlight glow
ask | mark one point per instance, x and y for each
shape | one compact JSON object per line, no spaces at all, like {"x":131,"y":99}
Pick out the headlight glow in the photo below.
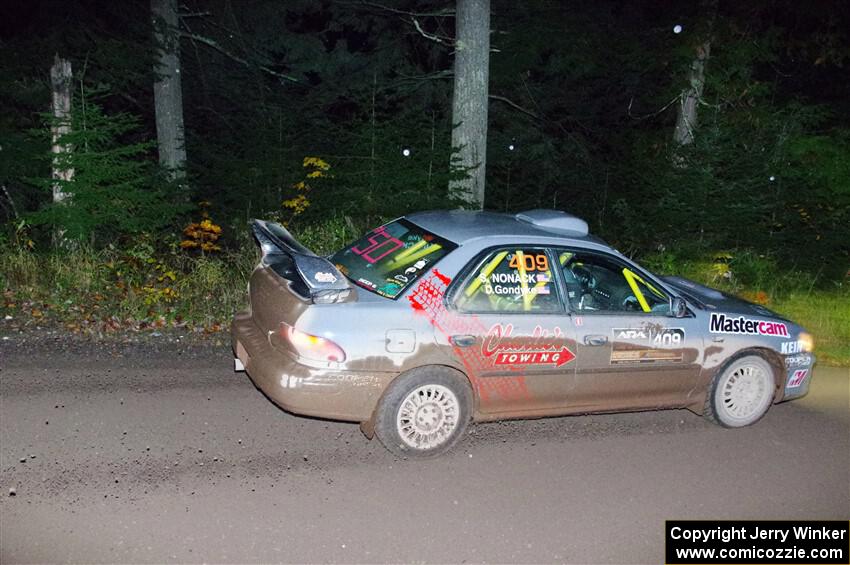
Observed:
{"x":807,"y":342}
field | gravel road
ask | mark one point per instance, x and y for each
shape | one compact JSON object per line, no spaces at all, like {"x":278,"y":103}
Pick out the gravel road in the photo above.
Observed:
{"x":161,"y":453}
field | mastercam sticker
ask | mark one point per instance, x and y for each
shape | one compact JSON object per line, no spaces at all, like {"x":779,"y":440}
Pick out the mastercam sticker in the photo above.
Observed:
{"x":723,"y":324}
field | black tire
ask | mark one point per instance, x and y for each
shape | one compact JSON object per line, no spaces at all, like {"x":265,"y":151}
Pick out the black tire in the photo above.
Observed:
{"x":741,"y":394}
{"x":433,"y":404}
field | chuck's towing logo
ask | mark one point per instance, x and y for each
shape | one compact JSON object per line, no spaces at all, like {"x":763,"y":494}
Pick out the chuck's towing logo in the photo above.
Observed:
{"x":722,"y":324}
{"x":539,"y":348}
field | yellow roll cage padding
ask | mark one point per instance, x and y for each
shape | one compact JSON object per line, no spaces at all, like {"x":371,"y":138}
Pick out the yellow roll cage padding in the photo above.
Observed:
{"x":633,"y":278}
{"x":413,"y":248}
{"x":483,"y":278}
{"x":412,"y":254}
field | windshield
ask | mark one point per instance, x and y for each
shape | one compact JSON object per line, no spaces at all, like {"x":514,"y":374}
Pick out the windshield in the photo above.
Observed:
{"x":392,"y":257}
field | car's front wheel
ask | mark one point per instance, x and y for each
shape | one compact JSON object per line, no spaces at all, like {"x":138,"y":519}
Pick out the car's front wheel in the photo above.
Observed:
{"x":741,"y":394}
{"x":424,"y":412}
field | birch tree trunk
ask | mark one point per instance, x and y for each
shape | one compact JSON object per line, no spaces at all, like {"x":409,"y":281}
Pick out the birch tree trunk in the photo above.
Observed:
{"x":469,"y":102}
{"x":167,"y":89}
{"x":60,"y":83}
{"x":689,"y":101}
{"x":686,"y":116}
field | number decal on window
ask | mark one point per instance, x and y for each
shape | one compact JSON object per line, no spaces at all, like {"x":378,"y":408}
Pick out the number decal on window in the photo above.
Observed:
{"x":380,"y":239}
{"x":529,"y":262}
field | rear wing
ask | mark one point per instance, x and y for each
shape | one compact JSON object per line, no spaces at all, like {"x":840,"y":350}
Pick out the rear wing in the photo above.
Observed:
{"x":317,"y":278}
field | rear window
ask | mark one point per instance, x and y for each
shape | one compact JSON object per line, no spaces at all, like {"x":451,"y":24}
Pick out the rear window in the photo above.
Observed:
{"x":389,"y":259}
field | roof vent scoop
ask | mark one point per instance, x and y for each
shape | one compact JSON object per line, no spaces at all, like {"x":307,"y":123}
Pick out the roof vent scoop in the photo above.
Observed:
{"x":555,"y":221}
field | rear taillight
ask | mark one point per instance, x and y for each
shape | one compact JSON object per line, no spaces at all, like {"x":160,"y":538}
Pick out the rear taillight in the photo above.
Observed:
{"x":312,"y":346}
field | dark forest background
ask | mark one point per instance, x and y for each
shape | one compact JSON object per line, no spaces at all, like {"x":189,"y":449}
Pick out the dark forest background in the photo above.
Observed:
{"x":583,"y":105}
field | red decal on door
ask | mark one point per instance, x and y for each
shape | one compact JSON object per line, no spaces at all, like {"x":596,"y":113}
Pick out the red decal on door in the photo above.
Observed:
{"x":557,"y":358}
{"x":539,"y":348}
{"x":427,"y":298}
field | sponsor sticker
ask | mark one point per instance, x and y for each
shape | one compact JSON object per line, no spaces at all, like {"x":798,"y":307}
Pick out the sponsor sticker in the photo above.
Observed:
{"x":556,"y":358}
{"x":723,"y":324}
{"x":644,"y":356}
{"x":389,"y":289}
{"x":647,"y":345}
{"x":656,"y":337}
{"x":797,"y":378}
{"x":325,"y":277}
{"x":798,"y":360}
{"x":791,"y":347}
{"x":416,"y":267}
{"x":542,"y":347}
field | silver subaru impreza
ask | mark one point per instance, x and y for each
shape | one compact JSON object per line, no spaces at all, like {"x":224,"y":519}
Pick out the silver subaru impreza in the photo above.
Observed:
{"x":441,"y":318}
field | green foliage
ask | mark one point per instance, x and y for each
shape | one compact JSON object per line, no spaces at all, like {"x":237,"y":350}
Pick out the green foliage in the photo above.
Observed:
{"x":819,"y":305}
{"x":148,"y":285}
{"x":765,"y":172}
{"x":115,"y":188}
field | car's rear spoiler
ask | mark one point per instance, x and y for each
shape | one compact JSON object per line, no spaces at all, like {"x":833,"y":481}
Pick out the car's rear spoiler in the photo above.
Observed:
{"x":321,"y":280}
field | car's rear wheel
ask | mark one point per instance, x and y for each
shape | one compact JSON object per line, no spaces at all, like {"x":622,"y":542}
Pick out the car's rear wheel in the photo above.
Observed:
{"x":742,"y":393}
{"x":424,"y":412}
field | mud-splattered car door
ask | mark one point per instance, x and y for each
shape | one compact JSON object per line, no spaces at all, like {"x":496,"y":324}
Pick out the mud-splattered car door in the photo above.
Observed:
{"x":512,"y":332}
{"x":631,"y":351}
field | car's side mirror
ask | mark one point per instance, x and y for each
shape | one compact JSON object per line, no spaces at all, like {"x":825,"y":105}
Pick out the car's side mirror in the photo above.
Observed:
{"x":678,"y":307}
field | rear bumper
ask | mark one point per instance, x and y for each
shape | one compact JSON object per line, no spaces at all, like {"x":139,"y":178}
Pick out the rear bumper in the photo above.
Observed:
{"x":324,"y":393}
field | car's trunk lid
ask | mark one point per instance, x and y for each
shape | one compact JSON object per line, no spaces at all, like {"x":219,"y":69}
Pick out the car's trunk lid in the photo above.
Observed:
{"x":312,"y":277}
{"x":290,"y":278}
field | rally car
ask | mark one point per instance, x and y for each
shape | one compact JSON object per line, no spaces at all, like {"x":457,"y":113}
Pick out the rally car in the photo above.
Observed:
{"x":439,"y":319}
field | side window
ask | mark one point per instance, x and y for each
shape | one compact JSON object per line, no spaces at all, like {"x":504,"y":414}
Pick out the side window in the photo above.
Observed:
{"x":596,"y":283}
{"x":510,"y":280}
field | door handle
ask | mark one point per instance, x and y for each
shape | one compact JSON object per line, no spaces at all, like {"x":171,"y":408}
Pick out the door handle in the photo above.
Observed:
{"x":462,"y":340}
{"x":595,"y":339}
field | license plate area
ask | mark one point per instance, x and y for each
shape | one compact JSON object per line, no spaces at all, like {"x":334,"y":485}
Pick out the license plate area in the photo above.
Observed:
{"x":242,"y":357}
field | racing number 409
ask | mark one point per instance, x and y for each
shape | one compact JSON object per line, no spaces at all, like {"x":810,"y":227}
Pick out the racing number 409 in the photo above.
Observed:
{"x":667,"y":339}
{"x":529,"y":262}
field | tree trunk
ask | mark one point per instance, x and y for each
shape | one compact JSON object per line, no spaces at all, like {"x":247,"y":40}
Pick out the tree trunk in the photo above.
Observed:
{"x":60,"y":82}
{"x":167,"y":89}
{"x":686,"y":116}
{"x":469,"y":103}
